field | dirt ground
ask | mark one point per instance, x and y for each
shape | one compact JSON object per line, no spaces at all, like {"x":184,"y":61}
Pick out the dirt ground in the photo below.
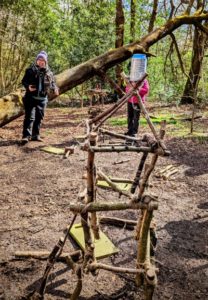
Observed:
{"x":37,"y":188}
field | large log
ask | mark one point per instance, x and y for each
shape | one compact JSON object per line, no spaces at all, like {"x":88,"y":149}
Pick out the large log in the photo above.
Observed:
{"x":11,"y":105}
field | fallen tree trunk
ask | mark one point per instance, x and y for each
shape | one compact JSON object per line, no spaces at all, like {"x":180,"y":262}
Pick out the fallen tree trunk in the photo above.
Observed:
{"x":11,"y":105}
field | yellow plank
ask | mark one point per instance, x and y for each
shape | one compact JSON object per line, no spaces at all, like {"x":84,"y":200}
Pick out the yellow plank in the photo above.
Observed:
{"x":122,"y":185}
{"x":53,"y":150}
{"x":103,"y":247}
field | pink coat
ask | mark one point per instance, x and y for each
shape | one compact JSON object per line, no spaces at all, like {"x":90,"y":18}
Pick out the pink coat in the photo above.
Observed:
{"x":143,"y":91}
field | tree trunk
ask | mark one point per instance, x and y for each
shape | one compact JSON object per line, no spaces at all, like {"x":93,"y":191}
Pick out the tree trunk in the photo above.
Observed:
{"x":191,"y":87}
{"x":11,"y":105}
{"x":132,"y":22}
{"x":153,"y":16}
{"x":119,"y":35}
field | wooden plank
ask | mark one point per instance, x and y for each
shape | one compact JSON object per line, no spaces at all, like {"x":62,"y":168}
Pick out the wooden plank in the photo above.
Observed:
{"x":103,"y":247}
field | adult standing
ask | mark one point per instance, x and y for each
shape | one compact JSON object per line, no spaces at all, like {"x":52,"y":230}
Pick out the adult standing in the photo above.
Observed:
{"x":38,"y":82}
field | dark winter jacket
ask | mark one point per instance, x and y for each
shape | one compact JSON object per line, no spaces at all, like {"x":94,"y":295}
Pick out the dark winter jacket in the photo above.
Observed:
{"x":42,"y":79}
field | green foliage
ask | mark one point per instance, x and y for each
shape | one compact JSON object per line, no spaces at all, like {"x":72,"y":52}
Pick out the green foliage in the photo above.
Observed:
{"x":118,"y":121}
{"x":73,"y":31}
{"x":28,"y":27}
{"x":155,"y":120}
{"x":176,"y":125}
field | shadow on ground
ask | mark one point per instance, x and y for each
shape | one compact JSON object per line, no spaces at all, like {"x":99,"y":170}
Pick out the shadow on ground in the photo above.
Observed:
{"x":188,"y":238}
{"x":184,"y":152}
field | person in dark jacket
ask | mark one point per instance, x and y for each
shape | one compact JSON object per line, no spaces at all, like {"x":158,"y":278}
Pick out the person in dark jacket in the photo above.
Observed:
{"x":38,"y":82}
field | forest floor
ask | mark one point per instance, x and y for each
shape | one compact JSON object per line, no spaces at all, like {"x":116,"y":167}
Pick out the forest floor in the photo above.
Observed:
{"x":37,"y":188}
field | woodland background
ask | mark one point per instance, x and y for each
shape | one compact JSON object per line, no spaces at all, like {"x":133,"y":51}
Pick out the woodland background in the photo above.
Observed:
{"x":37,"y":187}
{"x":74,"y":31}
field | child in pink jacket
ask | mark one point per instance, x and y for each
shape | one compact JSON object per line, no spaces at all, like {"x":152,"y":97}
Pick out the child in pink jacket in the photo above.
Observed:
{"x":133,"y":107}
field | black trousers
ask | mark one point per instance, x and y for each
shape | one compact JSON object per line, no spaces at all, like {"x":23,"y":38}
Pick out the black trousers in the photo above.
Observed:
{"x":34,"y":113}
{"x":133,"y":118}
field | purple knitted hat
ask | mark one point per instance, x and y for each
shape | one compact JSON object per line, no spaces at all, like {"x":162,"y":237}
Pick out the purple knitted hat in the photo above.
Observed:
{"x":42,"y":55}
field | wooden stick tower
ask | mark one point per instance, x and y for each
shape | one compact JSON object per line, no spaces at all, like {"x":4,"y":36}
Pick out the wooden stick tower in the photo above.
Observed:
{"x":145,"y":270}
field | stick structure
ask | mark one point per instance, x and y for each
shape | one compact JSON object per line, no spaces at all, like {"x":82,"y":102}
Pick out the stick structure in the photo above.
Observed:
{"x":88,"y":206}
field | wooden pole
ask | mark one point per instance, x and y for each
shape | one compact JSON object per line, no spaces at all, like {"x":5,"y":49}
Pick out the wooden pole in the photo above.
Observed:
{"x":146,"y":115}
{"x":51,"y":260}
{"x":91,"y":179}
{"x":143,"y":244}
{"x":118,"y":104}
{"x":152,"y":164}
{"x":54,"y":255}
{"x":89,"y":245}
{"x":91,"y":196}
{"x":121,"y":136}
{"x":78,"y":271}
{"x":95,"y":266}
{"x":43,"y":255}
{"x":143,"y":234}
{"x":138,"y":173}
{"x":127,"y":148}
{"x":113,"y":185}
{"x":145,"y":180}
{"x":150,"y":276}
{"x":78,"y":287}
{"x":124,"y":223}
{"x":147,"y":202}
